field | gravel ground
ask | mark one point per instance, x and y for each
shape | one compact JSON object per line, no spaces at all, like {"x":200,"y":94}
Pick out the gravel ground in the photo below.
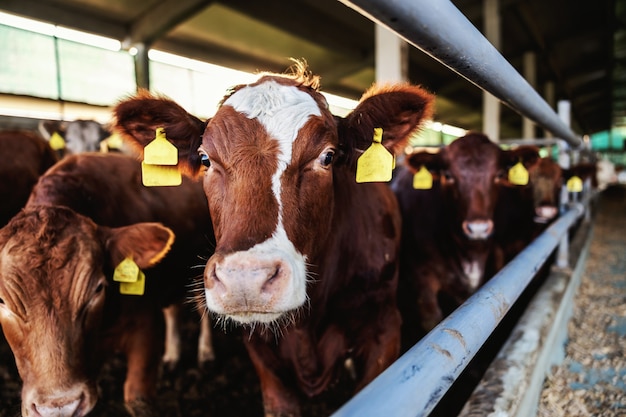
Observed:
{"x":591,"y":381}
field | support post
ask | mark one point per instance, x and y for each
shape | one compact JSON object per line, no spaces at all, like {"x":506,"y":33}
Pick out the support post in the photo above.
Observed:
{"x":562,"y":257}
{"x":530,"y":73}
{"x":142,"y":66}
{"x":392,"y":56}
{"x":491,"y":104}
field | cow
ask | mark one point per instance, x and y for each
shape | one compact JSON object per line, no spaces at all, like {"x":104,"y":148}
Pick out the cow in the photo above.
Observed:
{"x":61,"y":311}
{"x":547,"y":180}
{"x":524,"y":211}
{"x":448,"y":250}
{"x":78,"y":136}
{"x":305,"y":257}
{"x":25,"y":157}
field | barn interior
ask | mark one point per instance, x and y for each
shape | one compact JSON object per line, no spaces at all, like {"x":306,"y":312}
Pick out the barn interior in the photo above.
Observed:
{"x":567,"y":50}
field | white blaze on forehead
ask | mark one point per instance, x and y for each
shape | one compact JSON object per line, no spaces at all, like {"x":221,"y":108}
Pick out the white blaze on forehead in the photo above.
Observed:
{"x":282,"y":110}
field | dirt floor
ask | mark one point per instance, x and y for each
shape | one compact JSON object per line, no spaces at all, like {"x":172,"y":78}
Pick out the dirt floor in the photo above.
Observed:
{"x":591,"y":381}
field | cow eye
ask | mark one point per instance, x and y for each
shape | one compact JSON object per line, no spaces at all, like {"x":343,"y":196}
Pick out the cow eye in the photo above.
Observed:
{"x":447,"y":176}
{"x":327,"y":157}
{"x":204,"y":158}
{"x":501,"y":175}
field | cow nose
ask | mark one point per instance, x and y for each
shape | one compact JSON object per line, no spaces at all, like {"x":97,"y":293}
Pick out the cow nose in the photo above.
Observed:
{"x":250,"y":288}
{"x":478,"y":229}
{"x":238,"y":277}
{"x":545,"y":213}
{"x":58,"y":408}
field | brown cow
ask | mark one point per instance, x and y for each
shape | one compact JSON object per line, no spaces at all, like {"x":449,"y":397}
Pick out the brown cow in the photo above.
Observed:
{"x":25,"y":156}
{"x":524,"y":211}
{"x":546,"y":180}
{"x":306,"y":258}
{"x":61,"y":311}
{"x":448,"y":249}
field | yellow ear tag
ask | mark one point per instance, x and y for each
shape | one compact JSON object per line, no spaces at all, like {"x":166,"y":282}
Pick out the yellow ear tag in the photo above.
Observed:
{"x":114,"y":141}
{"x":57,"y":142}
{"x":423,"y":179}
{"x":160,"y":175}
{"x":126,"y":271}
{"x":134,"y":288}
{"x":518,"y":174}
{"x":575,"y":184}
{"x":376,"y":163}
{"x":159,"y":162}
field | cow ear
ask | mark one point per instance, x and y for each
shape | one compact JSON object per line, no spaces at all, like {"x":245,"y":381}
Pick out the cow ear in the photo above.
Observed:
{"x":398,"y":109}
{"x":137,"y":118}
{"x":145,"y":243}
{"x":433,"y":161}
{"x":527,"y":155}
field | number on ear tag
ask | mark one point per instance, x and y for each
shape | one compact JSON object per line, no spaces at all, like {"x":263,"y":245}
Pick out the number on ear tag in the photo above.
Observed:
{"x":160,"y":175}
{"x":575,"y":184}
{"x":423,"y":179}
{"x":376,"y":163}
{"x":134,"y":288}
{"x":57,"y":142}
{"x":518,"y":174}
{"x":126,"y":271}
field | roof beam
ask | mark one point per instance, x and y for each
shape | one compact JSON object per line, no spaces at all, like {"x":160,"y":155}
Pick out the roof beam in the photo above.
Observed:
{"x":162,"y":18}
{"x":60,"y":14}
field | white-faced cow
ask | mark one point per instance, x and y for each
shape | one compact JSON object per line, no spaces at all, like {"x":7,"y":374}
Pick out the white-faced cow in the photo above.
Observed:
{"x":448,"y":249}
{"x":60,"y":309}
{"x":78,"y":135}
{"x":305,"y":257}
{"x":25,"y":156}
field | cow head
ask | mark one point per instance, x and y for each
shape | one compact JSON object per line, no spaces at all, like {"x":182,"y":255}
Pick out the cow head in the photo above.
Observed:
{"x":545,"y":177}
{"x":273,"y":155}
{"x":79,"y":135}
{"x":53,"y":290}
{"x":471,"y":169}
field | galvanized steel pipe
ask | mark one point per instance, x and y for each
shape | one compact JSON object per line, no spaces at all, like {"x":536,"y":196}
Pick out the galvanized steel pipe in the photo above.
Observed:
{"x":415,"y":383}
{"x":439,"y":29}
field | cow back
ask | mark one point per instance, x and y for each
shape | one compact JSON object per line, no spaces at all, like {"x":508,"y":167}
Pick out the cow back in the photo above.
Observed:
{"x":25,"y":156}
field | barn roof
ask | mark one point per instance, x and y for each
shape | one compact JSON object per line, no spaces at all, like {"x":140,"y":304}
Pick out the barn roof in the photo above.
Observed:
{"x":580,"y":46}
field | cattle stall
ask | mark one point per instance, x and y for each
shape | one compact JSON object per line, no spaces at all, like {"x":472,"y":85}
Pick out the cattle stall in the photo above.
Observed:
{"x":419,"y":379}
{"x":450,"y":347}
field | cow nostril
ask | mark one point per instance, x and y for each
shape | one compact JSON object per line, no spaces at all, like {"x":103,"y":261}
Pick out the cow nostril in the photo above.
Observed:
{"x":69,"y":409}
{"x":478,"y":229}
{"x":273,"y":276}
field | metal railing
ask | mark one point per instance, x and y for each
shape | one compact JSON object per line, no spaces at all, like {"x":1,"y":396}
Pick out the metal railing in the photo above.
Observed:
{"x":414,"y":384}
{"x":440,"y":30}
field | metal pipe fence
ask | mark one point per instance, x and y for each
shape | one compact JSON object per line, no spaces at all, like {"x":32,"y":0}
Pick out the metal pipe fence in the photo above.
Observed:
{"x":414,"y":384}
{"x":440,"y":30}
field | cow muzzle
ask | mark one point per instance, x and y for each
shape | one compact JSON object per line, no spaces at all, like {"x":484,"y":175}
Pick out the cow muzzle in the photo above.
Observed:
{"x":478,"y":229}
{"x":76,"y":402}
{"x":255,"y":286}
{"x":545,"y":213}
